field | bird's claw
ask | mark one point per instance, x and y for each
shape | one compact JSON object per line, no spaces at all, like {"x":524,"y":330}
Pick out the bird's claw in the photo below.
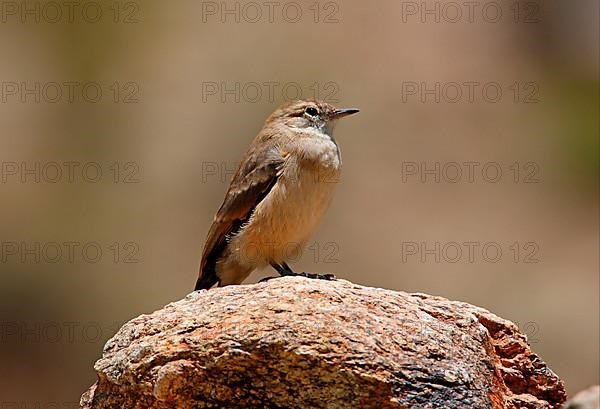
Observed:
{"x":328,"y":277}
{"x":315,"y":276}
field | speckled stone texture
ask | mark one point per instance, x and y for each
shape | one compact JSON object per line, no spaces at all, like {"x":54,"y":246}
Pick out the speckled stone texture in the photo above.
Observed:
{"x":299,"y":343}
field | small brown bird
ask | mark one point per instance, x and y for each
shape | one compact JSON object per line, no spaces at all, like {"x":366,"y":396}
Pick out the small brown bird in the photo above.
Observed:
{"x":279,"y":193}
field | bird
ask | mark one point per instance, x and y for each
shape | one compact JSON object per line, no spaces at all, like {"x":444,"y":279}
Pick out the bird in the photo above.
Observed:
{"x":281,"y":189}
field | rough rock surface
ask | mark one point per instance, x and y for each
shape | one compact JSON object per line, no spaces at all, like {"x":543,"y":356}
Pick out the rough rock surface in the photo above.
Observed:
{"x":299,"y":343}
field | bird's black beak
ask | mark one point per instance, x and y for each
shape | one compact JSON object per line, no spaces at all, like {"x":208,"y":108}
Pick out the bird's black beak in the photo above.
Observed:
{"x":340,"y":113}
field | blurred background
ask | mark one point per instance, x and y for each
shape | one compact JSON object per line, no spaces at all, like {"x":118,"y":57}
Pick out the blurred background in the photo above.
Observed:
{"x":471,"y":171}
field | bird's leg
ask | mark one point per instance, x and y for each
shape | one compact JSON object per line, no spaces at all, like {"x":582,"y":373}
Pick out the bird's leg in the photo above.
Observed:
{"x":280,"y":269}
{"x":285,"y":270}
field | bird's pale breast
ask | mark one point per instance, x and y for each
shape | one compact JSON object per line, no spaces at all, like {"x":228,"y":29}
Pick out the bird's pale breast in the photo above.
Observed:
{"x":285,"y":220}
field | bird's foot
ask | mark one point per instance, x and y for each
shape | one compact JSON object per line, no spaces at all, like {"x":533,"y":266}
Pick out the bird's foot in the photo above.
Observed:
{"x":317,"y":276}
{"x":286,"y":271}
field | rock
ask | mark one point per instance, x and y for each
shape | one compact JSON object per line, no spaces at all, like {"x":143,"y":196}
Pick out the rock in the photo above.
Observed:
{"x":586,"y":399}
{"x":299,"y":343}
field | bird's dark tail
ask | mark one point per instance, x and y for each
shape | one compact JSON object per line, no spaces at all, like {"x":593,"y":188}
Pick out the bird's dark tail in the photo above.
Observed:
{"x":206,"y":280}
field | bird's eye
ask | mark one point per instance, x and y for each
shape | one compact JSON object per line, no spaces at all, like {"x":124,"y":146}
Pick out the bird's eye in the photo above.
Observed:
{"x":312,"y":111}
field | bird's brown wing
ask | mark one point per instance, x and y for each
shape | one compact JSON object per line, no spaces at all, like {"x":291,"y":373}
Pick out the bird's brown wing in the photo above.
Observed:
{"x":252,"y":182}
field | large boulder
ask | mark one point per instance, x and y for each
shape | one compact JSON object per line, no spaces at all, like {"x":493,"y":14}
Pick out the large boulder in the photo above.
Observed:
{"x":299,"y":343}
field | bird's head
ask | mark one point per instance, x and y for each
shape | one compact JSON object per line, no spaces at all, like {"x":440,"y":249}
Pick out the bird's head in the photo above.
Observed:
{"x":308,"y":116}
